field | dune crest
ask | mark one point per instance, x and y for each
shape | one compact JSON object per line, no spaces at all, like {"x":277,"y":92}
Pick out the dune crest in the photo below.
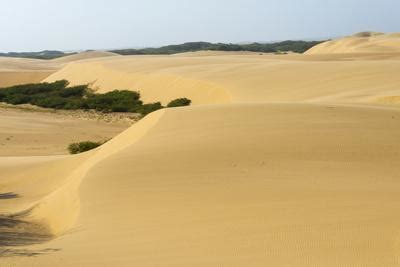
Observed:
{"x":58,"y":210}
{"x":232,"y":78}
{"x":84,"y":55}
{"x":364,"y":42}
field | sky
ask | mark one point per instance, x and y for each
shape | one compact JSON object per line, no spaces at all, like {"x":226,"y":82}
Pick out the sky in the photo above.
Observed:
{"x":34,"y":25}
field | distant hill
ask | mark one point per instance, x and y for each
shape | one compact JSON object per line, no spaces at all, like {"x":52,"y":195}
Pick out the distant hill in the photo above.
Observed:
{"x":46,"y":54}
{"x":285,"y":46}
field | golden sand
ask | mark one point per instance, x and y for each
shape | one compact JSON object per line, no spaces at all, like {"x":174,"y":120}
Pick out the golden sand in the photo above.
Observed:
{"x":285,"y":160}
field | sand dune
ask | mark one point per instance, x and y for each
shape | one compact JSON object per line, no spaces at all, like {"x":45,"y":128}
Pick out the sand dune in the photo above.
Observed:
{"x":365,"y":42}
{"x":15,"y":71}
{"x":10,"y":78}
{"x":209,"y":186}
{"x":286,"y":160}
{"x":18,"y":70}
{"x":25,"y":64}
{"x":243,"y":78}
{"x":84,"y":55}
{"x":34,"y":133}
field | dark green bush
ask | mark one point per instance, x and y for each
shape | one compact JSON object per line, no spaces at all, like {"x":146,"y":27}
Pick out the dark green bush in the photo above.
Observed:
{"x":148,"y":108}
{"x":180,"y":102}
{"x":115,"y":101}
{"x":76,"y":91}
{"x":58,"y":95}
{"x":17,"y":99}
{"x":80,"y":147}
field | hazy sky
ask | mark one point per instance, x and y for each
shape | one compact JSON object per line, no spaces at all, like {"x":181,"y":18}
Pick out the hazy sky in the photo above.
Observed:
{"x":31,"y":25}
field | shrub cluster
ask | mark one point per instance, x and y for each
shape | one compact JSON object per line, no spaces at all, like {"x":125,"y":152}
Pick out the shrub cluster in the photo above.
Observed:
{"x":58,"y":95}
{"x":80,"y":147}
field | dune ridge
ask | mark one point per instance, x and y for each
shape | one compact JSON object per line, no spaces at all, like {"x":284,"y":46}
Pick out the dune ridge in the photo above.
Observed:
{"x":84,"y":56}
{"x":15,"y":71}
{"x":242,"y":78}
{"x":58,"y":210}
{"x":364,"y":42}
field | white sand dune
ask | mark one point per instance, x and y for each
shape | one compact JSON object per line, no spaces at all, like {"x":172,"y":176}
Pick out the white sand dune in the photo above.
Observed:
{"x":283,"y":161}
{"x":365,"y":42}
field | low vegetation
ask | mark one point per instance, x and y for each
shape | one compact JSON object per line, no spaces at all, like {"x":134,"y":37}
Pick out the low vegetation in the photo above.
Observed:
{"x":80,"y":147}
{"x":180,"y":102}
{"x":58,"y":95}
{"x":46,"y":54}
{"x":285,"y":46}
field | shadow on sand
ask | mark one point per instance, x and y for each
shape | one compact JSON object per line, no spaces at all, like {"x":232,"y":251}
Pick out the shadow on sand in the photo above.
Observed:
{"x":15,"y":232}
{"x":9,"y":195}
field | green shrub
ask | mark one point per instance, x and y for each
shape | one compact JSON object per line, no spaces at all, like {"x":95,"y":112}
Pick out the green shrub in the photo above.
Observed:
{"x":180,"y":102}
{"x":80,"y":147}
{"x":76,"y":91}
{"x":17,"y":99}
{"x":148,"y":108}
{"x":58,"y":95}
{"x":115,"y":101}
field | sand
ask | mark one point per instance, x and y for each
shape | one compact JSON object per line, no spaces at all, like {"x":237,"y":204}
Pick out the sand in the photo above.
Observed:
{"x":28,"y":133}
{"x":84,"y":56}
{"x":284,"y":160}
{"x":365,"y":42}
{"x":243,"y":78}
{"x":15,"y":71}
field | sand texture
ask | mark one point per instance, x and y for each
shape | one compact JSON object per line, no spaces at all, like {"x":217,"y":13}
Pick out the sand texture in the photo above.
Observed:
{"x":288,"y":160}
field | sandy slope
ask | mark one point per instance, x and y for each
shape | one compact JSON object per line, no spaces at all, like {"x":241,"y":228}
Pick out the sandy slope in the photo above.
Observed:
{"x":10,"y":78}
{"x":295,"y":164}
{"x":240,"y":185}
{"x":243,"y":78}
{"x":367,"y":42}
{"x":18,"y":70}
{"x":28,"y":133}
{"x":84,"y":55}
{"x":21,"y":70}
